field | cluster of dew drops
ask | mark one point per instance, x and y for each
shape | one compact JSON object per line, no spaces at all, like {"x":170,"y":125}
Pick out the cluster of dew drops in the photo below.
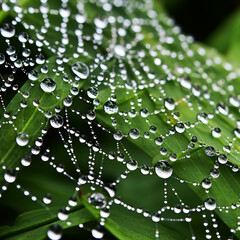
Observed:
{"x":98,"y":77}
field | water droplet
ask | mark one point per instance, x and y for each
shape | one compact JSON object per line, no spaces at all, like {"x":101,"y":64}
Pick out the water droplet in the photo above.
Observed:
{"x":47,"y":198}
{"x":223,"y":108}
{"x":179,"y":127}
{"x":210,"y":151}
{"x":80,"y":69}
{"x":236,"y":132}
{"x":206,"y":183}
{"x":222,"y":159}
{"x":55,"y":232}
{"x":144,"y":169}
{"x":214,"y":173}
{"x":23,"y":37}
{"x":101,"y":21}
{"x":7,"y":30}
{"x":2,"y":58}
{"x":48,"y":85}
{"x":216,"y":132}
{"x":26,"y":161}
{"x":234,"y":101}
{"x":105,"y":212}
{"x":163,"y":169}
{"x":134,"y":133}
{"x":110,"y":107}
{"x":158,"y":141}
{"x":210,"y":204}
{"x":118,"y":135}
{"x":203,"y":117}
{"x":98,"y":200}
{"x":57,"y":121}
{"x":144,"y":112}
{"x":33,"y":75}
{"x":22,"y":139}
{"x":132,"y":165}
{"x":10,"y":176}
{"x":72,"y":201}
{"x":169,"y":104}
{"x":98,"y":232}
{"x":92,"y":92}
{"x":119,"y":50}
{"x":111,"y":189}
{"x":185,"y":81}
{"x":63,"y":214}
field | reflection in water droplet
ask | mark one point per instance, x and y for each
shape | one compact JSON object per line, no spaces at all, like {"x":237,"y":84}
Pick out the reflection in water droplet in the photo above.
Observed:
{"x":48,"y":85}
{"x":98,"y":200}
{"x":163,"y":169}
{"x":10,"y":176}
{"x":210,"y":204}
{"x":80,"y":69}
{"x":56,"y":121}
{"x":54,"y":232}
{"x":110,"y":107}
{"x":22,"y":139}
{"x":7,"y":30}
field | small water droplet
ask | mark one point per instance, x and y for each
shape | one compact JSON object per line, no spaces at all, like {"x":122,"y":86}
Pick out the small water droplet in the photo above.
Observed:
{"x":119,"y":50}
{"x":222,"y":159}
{"x":98,"y":232}
{"x":118,"y":135}
{"x":80,"y":69}
{"x":163,"y":169}
{"x":48,"y":85}
{"x":206,"y":183}
{"x":33,"y":75}
{"x":22,"y":139}
{"x":47,"y":198}
{"x":216,"y":132}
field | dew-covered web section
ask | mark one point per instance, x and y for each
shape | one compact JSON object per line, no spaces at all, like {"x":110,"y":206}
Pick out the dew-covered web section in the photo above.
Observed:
{"x":124,"y":114}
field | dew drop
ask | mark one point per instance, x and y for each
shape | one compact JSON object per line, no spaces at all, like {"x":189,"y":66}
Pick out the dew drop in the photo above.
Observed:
{"x":22,"y":139}
{"x":92,"y":92}
{"x":48,"y":85}
{"x":7,"y":30}
{"x":26,"y":161}
{"x":169,"y":104}
{"x":222,"y":159}
{"x":179,"y":127}
{"x":132,"y":165}
{"x":33,"y":75}
{"x":216,"y":132}
{"x":97,"y":232}
{"x":110,"y":107}
{"x":56,"y":121}
{"x":98,"y":200}
{"x":210,"y":151}
{"x":185,"y":81}
{"x":55,"y":232}
{"x":223,"y":108}
{"x":118,"y":135}
{"x":203,"y":117}
{"x":80,"y":69}
{"x":10,"y":176}
{"x":163,"y":169}
{"x":119,"y":50}
{"x":210,"y":204}
{"x":134,"y":133}
{"x":47,"y":198}
{"x":206,"y":183}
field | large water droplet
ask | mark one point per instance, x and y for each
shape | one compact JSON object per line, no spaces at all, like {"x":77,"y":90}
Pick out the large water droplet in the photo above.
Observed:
{"x":179,"y":127}
{"x":7,"y":30}
{"x":110,"y":107}
{"x":210,"y":151}
{"x":132,"y":165}
{"x":210,"y":204}
{"x":169,"y":104}
{"x":22,"y":139}
{"x":80,"y":69}
{"x":10,"y":176}
{"x":55,"y":232}
{"x":134,"y":133}
{"x":98,"y":200}
{"x":222,"y":159}
{"x":163,"y":169}
{"x":48,"y":85}
{"x":98,"y":232}
{"x":56,"y":121}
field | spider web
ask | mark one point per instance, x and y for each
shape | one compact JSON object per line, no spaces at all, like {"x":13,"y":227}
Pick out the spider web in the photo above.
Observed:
{"x":139,"y":114}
